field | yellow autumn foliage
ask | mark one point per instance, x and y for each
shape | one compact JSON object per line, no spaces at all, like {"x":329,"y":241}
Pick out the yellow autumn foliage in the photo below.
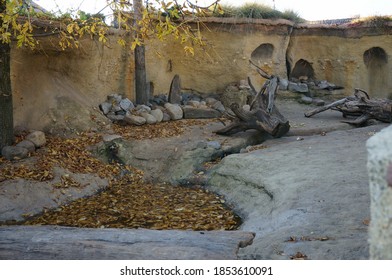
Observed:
{"x":164,"y":20}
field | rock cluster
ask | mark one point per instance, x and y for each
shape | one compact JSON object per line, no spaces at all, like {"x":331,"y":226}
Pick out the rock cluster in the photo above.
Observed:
{"x":305,"y":85}
{"x":33,"y":141}
{"x":122,"y":110}
{"x":308,"y":88}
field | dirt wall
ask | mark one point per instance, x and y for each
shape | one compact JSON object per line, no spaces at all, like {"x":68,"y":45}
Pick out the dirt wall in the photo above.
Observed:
{"x":61,"y":89}
{"x":357,"y":57}
{"x":52,"y":89}
{"x":226,"y":59}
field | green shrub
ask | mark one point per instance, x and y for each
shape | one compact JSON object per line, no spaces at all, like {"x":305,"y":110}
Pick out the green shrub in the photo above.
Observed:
{"x":260,"y":11}
{"x":293,"y":16}
{"x":253,"y":10}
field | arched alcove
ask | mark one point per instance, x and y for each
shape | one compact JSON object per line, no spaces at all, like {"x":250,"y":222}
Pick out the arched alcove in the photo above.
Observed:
{"x":263,"y":52}
{"x":303,"y":69}
{"x":376,"y":60}
{"x":375,"y":57}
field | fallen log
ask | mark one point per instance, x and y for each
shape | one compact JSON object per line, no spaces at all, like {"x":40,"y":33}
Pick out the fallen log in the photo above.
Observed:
{"x":359,"y":106}
{"x":66,"y":243}
{"x":263,"y":115}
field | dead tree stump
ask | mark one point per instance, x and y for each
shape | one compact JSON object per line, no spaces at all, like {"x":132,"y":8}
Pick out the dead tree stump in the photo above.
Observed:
{"x":263,"y":115}
{"x":359,"y":106}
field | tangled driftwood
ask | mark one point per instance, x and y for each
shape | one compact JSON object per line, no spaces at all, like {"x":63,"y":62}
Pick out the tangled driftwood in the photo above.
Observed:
{"x":359,"y":106}
{"x":263,"y":115}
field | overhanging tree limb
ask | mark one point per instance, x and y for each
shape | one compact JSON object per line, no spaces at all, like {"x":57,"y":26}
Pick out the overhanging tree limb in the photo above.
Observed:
{"x":14,"y":27}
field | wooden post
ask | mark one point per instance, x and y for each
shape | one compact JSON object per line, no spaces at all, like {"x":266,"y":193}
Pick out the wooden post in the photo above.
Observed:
{"x":140,"y":59}
{"x":6,"y":108}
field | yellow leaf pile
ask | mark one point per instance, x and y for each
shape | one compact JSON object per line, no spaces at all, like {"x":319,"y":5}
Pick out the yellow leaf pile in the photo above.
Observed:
{"x":130,"y":205}
{"x":128,"y":202}
{"x":160,"y":130}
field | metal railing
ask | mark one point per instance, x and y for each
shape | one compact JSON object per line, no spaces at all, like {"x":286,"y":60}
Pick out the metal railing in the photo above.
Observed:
{"x":333,"y":21}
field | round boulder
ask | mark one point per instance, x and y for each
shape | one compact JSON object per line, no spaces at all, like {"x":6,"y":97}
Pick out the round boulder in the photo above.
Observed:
{"x":37,"y":137}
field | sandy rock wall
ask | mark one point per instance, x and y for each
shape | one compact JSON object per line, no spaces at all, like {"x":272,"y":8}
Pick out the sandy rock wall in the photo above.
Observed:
{"x":225,"y":61}
{"x":354,"y":58}
{"x":59,"y":89}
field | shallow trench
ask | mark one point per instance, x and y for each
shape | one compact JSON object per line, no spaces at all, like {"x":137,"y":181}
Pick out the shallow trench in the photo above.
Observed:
{"x":172,"y":194}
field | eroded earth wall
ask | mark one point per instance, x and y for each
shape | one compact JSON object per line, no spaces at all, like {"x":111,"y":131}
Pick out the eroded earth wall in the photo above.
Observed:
{"x":53,"y":88}
{"x":353,"y":57}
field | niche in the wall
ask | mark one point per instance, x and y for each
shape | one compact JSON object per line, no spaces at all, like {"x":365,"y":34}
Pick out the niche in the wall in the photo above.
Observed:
{"x":303,"y":69}
{"x":376,"y":60}
{"x":375,"y":57}
{"x":262,"y":53}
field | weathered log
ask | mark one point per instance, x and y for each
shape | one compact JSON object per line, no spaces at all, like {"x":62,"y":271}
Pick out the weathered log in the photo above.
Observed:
{"x":263,"y":115}
{"x":360,"y":106}
{"x":59,"y":243}
{"x":325,"y":108}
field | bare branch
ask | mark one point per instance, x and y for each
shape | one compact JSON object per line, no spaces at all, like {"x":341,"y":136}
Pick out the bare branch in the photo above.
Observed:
{"x":260,"y":71}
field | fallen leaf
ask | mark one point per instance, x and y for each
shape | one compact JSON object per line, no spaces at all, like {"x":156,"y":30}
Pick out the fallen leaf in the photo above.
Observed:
{"x":299,"y":256}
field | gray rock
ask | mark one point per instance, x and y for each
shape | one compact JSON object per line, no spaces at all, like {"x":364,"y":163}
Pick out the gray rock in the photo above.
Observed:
{"x":175,"y":90}
{"x":116,"y":108}
{"x":14,"y":153}
{"x":218,"y":106}
{"x":283,"y":84}
{"x":318,"y":102}
{"x":150,"y":119}
{"x":311,"y":85}
{"x":27,"y":144}
{"x":214,"y":144}
{"x":159,"y":100}
{"x":200,"y":113}
{"x":298,"y":87}
{"x":210,"y":101}
{"x":115,"y":118}
{"x":37,"y":137}
{"x":193,"y":103}
{"x":325,"y":85}
{"x":105,"y":107}
{"x":380,"y":175}
{"x":158,"y":114}
{"x":185,"y":97}
{"x":114,"y":98}
{"x":166,"y":117}
{"x":126,"y":104}
{"x":175,"y":112}
{"x":306,"y":100}
{"x":135,"y":120}
{"x":143,"y":108}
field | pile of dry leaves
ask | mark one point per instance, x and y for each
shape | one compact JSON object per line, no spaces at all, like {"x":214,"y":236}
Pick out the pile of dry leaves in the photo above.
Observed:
{"x":160,"y":130}
{"x":128,"y":202}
